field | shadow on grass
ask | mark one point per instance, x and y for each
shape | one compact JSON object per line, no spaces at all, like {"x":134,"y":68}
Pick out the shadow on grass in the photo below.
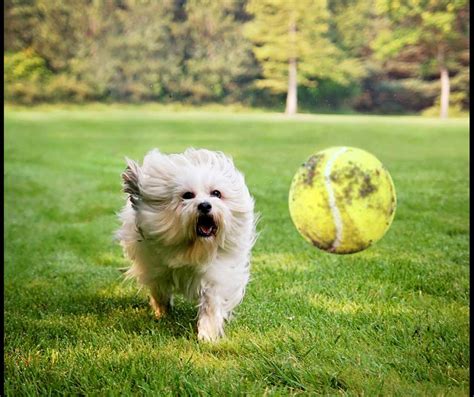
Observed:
{"x":363,"y":306}
{"x":63,"y":315}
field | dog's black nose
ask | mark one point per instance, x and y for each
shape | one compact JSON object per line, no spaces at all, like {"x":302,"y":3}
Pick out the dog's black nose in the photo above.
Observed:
{"x":205,"y":207}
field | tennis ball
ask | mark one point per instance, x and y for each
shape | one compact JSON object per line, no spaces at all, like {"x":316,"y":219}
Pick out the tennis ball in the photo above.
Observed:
{"x":342,"y":200}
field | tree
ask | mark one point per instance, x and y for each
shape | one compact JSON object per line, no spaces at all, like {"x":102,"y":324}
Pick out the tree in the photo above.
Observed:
{"x":59,"y":31}
{"x":20,"y":20}
{"x":292,"y":44}
{"x":218,"y":58}
{"x":397,"y":85}
{"x":151,"y":50}
{"x":355,"y":24}
{"x":129,"y":52}
{"x":436,"y":29}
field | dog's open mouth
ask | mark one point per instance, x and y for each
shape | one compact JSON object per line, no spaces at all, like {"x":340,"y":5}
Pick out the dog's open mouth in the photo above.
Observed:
{"x":206,"y":227}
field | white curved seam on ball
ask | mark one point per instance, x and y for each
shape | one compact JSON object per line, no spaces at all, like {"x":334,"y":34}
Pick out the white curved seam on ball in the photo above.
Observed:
{"x":336,"y":215}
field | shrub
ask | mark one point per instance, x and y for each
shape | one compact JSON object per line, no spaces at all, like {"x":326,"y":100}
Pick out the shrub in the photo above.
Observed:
{"x":28,"y":81}
{"x":25,"y":74}
{"x":25,"y":65}
{"x":65,"y":88}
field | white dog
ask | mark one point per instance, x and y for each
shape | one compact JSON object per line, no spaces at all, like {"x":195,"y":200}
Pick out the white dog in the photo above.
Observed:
{"x":189,"y":226}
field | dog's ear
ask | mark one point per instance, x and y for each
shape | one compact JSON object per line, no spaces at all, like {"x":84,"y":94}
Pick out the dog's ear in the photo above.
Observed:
{"x":131,"y":177}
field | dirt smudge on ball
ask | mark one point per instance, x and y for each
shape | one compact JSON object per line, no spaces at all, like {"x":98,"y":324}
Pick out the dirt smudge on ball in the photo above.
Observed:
{"x":367,"y":186}
{"x":311,"y":166}
{"x":351,"y":177}
{"x":392,"y":205}
{"x":321,"y":245}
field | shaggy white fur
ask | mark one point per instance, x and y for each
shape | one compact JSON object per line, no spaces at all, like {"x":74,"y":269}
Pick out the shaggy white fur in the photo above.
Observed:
{"x":189,"y":226}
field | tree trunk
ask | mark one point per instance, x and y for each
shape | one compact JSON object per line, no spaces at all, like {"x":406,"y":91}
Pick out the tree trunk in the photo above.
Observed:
{"x":292,"y":96}
{"x":444,"y":100}
{"x":444,"y":77}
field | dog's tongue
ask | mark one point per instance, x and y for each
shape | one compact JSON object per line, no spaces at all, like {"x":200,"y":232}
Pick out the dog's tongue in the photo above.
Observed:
{"x":205,"y":229}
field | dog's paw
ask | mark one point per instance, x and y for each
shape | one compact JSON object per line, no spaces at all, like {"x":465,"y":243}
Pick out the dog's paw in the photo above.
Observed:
{"x":208,"y":335}
{"x":209,"y":330}
{"x":159,"y":309}
{"x":160,"y":312}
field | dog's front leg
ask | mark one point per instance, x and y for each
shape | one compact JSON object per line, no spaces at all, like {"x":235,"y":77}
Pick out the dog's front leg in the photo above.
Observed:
{"x":210,"y":317}
{"x":160,"y":300}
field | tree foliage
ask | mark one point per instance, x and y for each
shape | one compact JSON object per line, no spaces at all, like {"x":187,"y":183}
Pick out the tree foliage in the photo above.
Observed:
{"x":19,"y":20}
{"x":436,"y":25}
{"x":130,"y":53}
{"x":437,"y":30}
{"x":218,"y":59}
{"x":317,"y":57}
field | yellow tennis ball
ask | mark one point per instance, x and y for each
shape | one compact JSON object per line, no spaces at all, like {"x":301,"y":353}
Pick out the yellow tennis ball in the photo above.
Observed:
{"x":342,"y":200}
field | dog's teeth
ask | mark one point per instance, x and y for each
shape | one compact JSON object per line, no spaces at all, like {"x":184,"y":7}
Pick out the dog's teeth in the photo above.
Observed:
{"x":205,"y":229}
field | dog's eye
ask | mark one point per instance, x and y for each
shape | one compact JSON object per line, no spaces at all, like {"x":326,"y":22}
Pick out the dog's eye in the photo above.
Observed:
{"x":188,"y":195}
{"x":216,"y":193}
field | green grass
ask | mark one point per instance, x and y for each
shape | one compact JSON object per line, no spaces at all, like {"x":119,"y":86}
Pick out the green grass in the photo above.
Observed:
{"x":392,"y":320}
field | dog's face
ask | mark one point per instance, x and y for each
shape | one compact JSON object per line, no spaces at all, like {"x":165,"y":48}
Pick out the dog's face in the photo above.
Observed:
{"x":194,"y":197}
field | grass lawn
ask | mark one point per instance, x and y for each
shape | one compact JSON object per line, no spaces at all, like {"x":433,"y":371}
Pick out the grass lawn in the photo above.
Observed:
{"x":392,"y":320}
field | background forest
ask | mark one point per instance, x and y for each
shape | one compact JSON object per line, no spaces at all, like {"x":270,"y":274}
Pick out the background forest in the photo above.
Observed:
{"x":373,"y":56}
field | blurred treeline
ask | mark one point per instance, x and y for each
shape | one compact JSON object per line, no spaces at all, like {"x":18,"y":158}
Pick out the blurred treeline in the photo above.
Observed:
{"x":378,"y":56}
